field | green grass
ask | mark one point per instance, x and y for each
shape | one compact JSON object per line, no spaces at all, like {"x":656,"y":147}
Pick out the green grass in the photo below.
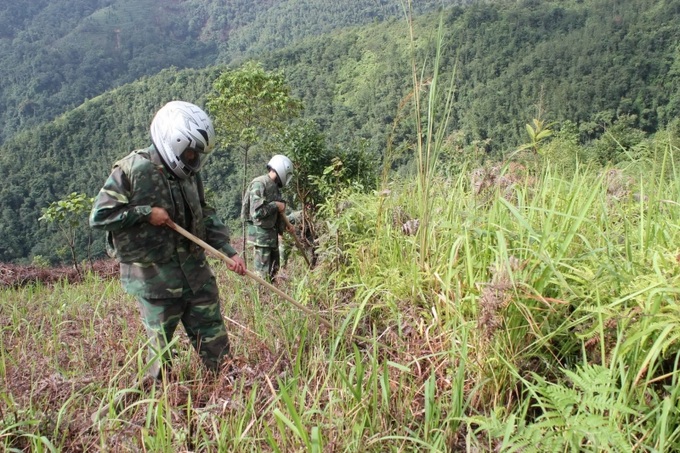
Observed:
{"x":544,"y":319}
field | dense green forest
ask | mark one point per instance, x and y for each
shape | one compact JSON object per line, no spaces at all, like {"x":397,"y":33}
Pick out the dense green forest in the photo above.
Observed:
{"x":55,"y":54}
{"x":602,"y":73}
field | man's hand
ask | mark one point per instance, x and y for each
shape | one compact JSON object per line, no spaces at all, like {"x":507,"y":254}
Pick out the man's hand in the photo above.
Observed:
{"x":158,"y":217}
{"x":238,"y":265}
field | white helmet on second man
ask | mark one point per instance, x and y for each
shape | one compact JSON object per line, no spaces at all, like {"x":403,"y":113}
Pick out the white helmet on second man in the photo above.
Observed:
{"x":283,"y":168}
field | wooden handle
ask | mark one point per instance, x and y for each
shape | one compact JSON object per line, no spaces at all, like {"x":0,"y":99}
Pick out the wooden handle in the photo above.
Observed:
{"x":250,"y":274}
{"x":268,"y":285}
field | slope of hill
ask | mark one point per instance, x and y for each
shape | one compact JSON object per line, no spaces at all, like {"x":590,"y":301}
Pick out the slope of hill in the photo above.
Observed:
{"x":590,"y":63}
{"x":536,"y":314}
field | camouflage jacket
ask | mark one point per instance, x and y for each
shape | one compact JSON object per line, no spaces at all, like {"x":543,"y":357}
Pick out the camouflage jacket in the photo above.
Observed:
{"x":155,"y":261}
{"x":260,"y":212}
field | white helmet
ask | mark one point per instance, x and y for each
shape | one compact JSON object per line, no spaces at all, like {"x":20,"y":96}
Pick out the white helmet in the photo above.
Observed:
{"x":283,"y":168}
{"x":179,"y":126}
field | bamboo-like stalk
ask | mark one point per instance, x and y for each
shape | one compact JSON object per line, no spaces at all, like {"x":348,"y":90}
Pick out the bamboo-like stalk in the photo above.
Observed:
{"x":298,"y":244}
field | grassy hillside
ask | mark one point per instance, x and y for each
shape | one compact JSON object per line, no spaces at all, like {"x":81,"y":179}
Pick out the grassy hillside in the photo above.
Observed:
{"x":533,"y":302}
{"x":524,"y":300}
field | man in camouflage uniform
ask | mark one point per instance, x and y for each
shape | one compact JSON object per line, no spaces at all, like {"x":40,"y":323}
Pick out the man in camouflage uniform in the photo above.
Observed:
{"x":262,"y":210}
{"x":168,"y":274}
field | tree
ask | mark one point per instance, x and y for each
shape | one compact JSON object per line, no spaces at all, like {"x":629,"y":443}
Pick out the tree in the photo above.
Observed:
{"x":251,"y":106}
{"x":67,"y":214}
{"x":322,"y":172}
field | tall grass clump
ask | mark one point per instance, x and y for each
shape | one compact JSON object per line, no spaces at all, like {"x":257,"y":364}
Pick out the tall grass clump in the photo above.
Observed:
{"x":432,"y":110}
{"x":562,"y":294}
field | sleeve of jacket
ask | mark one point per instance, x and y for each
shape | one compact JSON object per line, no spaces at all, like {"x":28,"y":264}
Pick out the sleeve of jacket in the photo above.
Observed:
{"x":111,"y":209}
{"x":259,"y":208}
{"x":216,"y":232}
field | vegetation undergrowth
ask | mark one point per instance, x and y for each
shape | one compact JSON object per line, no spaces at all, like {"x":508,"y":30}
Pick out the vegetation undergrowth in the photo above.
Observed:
{"x":544,"y":319}
{"x":524,"y":305}
{"x":562,"y":292}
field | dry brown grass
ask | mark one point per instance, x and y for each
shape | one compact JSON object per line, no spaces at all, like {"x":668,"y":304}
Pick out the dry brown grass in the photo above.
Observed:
{"x":16,"y":276}
{"x":62,"y":366}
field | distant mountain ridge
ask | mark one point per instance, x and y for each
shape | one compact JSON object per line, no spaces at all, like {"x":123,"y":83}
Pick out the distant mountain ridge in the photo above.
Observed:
{"x":589,"y":69}
{"x":56,"y":54}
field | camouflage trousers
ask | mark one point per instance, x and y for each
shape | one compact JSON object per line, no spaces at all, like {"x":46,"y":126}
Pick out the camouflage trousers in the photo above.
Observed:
{"x":266,"y":262}
{"x":201,"y":317}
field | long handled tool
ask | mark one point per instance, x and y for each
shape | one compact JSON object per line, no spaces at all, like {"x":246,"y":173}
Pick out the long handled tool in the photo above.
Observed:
{"x":135,"y":391}
{"x":250,"y":274}
{"x":268,"y":285}
{"x":297,"y":241}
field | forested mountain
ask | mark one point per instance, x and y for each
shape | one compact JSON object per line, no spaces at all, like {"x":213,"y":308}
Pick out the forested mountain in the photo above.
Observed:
{"x":75,"y":153}
{"x":588,"y":66}
{"x":55,"y":54}
{"x":590,"y":63}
